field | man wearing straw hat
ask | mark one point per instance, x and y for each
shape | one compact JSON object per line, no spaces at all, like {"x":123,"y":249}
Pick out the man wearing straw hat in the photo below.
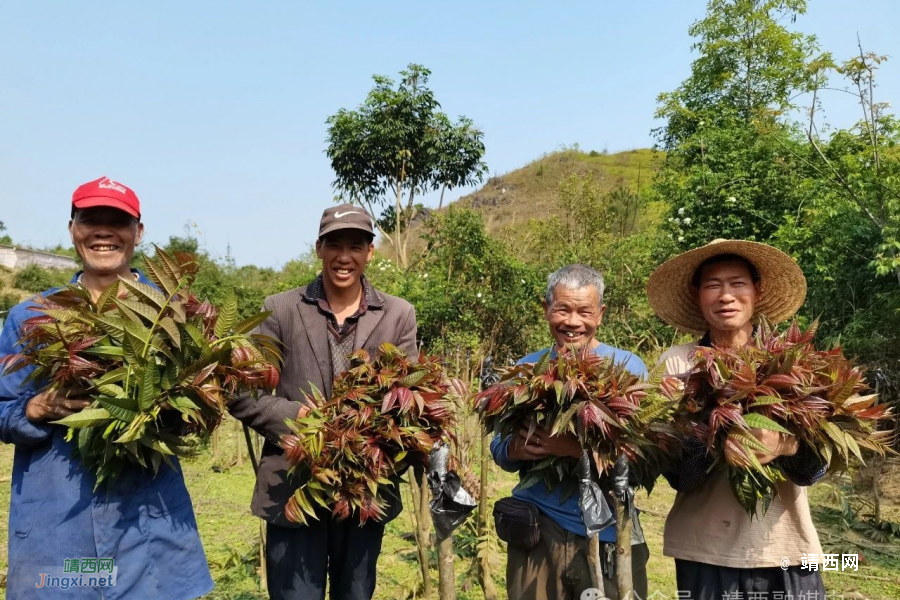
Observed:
{"x":716,"y":292}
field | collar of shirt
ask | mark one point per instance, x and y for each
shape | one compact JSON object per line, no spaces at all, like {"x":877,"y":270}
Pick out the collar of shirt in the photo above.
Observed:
{"x":706,"y":342}
{"x":315,"y":294}
{"x":138,"y":276}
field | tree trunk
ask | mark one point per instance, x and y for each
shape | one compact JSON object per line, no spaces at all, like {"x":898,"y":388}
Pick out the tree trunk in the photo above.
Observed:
{"x":446,"y":573}
{"x":263,"y":570}
{"x":594,"y":561}
{"x":623,"y":552}
{"x":238,"y":443}
{"x":215,"y":444}
{"x":422,"y":531}
{"x":484,"y":530}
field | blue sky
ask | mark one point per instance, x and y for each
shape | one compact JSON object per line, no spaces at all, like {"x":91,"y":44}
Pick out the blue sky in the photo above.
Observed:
{"x":214,"y":111}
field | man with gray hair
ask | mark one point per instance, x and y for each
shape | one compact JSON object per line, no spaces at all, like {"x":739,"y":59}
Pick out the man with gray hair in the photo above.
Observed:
{"x":557,"y":566}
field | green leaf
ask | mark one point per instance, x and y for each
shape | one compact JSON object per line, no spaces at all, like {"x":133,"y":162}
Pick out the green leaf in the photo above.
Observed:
{"x":413,"y":379}
{"x":196,"y":334}
{"x":561,"y":423}
{"x":113,"y":391}
{"x":758,"y":421}
{"x":144,"y":310}
{"x":115,"y":408}
{"x":228,"y":314}
{"x":113,"y":376}
{"x":150,"y":389}
{"x":138,"y":332}
{"x":183,"y":402}
{"x":159,"y":276}
{"x":250,"y":323}
{"x":106,"y":298}
{"x":765,"y":401}
{"x":105,"y":351}
{"x":144,"y":291}
{"x":89,"y":417}
{"x":168,"y":325}
{"x":169,"y":375}
{"x":134,"y":432}
{"x":111,"y":325}
{"x":543,"y":363}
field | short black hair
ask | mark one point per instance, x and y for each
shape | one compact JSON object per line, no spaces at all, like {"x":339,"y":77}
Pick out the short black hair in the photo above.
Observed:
{"x":722,"y":258}
{"x":370,"y":237}
{"x":75,"y":211}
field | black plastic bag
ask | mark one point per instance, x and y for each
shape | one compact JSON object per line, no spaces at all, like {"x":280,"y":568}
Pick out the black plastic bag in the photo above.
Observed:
{"x":623,"y":492}
{"x":450,"y":503}
{"x":595,"y":511}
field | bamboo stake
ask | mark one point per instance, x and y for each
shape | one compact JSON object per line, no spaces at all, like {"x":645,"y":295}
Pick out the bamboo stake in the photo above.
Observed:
{"x":238,"y":445}
{"x":623,"y":553}
{"x":484,"y":568}
{"x":422,"y":533}
{"x":624,"y":579}
{"x":446,"y":572}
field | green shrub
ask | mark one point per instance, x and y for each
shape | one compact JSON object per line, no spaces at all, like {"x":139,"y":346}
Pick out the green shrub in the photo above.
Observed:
{"x":7,"y":301}
{"x":35,"y":278}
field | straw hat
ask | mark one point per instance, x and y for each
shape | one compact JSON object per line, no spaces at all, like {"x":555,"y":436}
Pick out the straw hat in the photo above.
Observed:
{"x":673,"y":298}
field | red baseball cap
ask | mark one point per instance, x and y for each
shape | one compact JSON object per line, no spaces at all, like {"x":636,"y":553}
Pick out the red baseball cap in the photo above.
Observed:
{"x":106,"y":192}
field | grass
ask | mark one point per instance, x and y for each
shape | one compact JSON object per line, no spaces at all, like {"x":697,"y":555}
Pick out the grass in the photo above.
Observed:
{"x":221,"y":488}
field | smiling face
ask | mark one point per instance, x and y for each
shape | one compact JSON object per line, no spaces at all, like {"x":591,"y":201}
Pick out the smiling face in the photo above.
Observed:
{"x":727,"y":295}
{"x":105,"y":238}
{"x":574,"y":316}
{"x":344,"y":255}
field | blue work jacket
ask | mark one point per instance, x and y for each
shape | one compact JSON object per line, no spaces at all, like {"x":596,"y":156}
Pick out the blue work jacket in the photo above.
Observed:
{"x":145,"y":524}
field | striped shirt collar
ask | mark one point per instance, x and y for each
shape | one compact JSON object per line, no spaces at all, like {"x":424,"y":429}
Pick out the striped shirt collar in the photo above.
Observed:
{"x":315,"y":293}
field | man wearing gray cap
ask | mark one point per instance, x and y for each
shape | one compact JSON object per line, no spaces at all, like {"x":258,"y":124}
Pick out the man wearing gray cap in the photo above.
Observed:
{"x":319,"y":325}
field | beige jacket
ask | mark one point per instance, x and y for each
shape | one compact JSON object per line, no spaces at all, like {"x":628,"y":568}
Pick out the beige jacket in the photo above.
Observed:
{"x":709,"y":526}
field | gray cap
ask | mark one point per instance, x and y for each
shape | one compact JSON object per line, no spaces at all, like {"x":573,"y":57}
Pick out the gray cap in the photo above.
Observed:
{"x":345,"y":216}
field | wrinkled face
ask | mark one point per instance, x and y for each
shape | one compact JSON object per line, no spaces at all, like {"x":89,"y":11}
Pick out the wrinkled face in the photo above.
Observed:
{"x":727,"y":295}
{"x":344,"y":256}
{"x":574,"y":316}
{"x":105,"y":238}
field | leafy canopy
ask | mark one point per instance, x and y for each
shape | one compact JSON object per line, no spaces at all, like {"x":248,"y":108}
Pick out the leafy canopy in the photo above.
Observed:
{"x":398,"y":144}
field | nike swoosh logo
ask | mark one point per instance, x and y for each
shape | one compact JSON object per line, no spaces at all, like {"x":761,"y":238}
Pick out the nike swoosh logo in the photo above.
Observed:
{"x":338,"y":215}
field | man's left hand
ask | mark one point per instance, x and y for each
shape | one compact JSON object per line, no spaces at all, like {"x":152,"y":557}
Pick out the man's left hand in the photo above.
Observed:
{"x":544,"y":444}
{"x":779,"y":444}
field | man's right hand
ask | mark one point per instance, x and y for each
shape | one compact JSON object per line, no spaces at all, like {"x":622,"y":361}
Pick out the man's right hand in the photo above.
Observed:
{"x":53,"y":405}
{"x":541,"y":445}
{"x":519,"y":449}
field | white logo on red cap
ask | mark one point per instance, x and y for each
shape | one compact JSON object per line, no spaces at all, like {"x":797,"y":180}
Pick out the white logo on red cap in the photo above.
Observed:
{"x":107,"y":183}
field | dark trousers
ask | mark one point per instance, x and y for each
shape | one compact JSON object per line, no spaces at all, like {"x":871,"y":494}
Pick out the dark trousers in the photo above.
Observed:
{"x":711,"y":582}
{"x":299,"y":560}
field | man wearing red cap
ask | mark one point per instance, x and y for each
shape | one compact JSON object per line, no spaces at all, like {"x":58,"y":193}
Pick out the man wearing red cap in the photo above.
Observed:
{"x":142,"y":526}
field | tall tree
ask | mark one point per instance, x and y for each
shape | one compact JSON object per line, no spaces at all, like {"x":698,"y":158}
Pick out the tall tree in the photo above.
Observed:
{"x":727,"y":170}
{"x":398,"y":145}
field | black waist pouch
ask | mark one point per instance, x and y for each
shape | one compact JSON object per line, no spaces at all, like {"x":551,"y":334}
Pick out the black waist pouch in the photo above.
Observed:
{"x":517,"y":522}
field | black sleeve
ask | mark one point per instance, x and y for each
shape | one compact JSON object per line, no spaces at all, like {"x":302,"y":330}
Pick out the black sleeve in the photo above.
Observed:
{"x":805,"y":467}
{"x":692,"y":470}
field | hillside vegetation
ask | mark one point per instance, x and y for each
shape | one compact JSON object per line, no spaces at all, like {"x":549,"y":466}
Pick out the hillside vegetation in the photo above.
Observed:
{"x":512,"y":199}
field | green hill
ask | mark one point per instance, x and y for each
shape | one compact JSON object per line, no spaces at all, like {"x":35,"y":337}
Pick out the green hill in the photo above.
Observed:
{"x":530,"y":192}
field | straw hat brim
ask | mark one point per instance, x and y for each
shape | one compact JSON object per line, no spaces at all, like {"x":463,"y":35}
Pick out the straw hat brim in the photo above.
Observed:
{"x":673,"y":298}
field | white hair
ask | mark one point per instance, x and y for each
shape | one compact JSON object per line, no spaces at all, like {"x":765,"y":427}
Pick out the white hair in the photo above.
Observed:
{"x":574,"y":277}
